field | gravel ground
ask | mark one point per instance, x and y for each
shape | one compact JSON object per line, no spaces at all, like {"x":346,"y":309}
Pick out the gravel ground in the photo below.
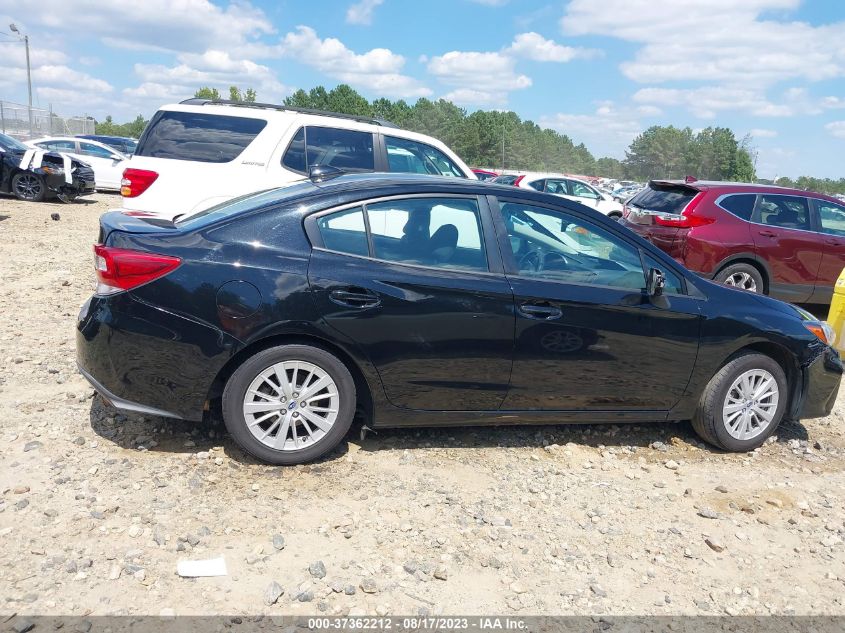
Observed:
{"x":98,"y":507}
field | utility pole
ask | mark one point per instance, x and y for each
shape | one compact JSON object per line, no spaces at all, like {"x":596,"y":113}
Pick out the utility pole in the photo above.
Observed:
{"x":503,"y":145}
{"x":14,"y":29}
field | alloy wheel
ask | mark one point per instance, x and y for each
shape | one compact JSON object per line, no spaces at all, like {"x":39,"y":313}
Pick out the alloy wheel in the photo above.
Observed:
{"x":742,"y":280}
{"x":751,"y":404}
{"x":28,"y":186}
{"x":291,"y":405}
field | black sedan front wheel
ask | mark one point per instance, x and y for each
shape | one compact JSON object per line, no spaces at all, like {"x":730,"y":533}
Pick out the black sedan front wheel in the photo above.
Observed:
{"x":29,"y":186}
{"x":289,"y":404}
{"x":743,"y":403}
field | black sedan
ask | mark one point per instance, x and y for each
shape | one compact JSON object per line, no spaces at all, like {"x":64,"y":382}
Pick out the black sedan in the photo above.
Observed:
{"x":432,"y":301}
{"x":36,"y":175}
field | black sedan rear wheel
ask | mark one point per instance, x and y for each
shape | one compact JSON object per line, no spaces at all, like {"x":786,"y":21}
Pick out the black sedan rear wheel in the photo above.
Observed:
{"x":29,"y":186}
{"x":289,"y":404}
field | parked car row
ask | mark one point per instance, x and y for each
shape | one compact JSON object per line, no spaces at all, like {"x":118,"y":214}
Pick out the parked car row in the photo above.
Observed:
{"x":786,"y":243}
{"x":565,"y":187}
{"x":36,"y":174}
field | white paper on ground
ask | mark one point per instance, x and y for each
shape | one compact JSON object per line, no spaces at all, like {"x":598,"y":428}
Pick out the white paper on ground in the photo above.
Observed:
{"x":198,"y":568}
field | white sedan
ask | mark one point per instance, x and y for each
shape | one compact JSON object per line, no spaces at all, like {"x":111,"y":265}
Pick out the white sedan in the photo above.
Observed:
{"x":573,"y":189}
{"x":108,"y":164}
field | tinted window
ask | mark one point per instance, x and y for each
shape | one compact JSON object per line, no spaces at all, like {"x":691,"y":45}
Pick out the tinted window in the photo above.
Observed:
{"x":539,"y":185}
{"x":788,"y":212}
{"x":741,"y":205}
{"x":404,"y":155}
{"x":348,"y":150}
{"x":9,"y":143}
{"x":832,"y":217}
{"x":206,"y":138}
{"x":440,"y":232}
{"x":505,"y":179}
{"x":674,"y":284}
{"x":666,"y":199}
{"x":243,"y":203}
{"x":89,"y":149}
{"x":344,"y":232}
{"x":581,"y":190}
{"x":558,"y":247}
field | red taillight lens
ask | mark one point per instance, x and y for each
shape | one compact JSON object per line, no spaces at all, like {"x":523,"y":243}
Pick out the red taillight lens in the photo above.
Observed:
{"x":687,"y":219}
{"x":136,"y":181}
{"x":122,"y":269}
{"x":518,"y":180}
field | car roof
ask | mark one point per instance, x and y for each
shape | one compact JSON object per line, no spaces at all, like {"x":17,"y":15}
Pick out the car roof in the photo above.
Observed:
{"x":749,"y":187}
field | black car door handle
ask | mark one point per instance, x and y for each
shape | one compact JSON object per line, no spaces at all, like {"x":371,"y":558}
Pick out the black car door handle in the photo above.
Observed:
{"x":542,"y":311}
{"x":354,"y":298}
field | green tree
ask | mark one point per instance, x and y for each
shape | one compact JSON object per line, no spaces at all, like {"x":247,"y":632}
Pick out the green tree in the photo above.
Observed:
{"x":207,"y":93}
{"x":235,"y":94}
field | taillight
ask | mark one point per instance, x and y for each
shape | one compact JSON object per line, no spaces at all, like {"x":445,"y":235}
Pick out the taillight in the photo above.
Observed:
{"x":121,"y":269}
{"x":687,"y":219}
{"x":136,"y":181}
{"x":518,"y":180}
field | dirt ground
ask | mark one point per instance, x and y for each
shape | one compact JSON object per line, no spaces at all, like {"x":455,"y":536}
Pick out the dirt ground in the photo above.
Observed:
{"x":98,"y":507}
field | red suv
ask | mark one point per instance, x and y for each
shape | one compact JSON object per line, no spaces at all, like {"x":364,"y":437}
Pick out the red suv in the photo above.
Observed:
{"x":786,"y":243}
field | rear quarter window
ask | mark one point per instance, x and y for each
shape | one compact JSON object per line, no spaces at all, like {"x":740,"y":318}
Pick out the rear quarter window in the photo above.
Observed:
{"x":197,"y":136}
{"x":741,"y":205}
{"x":665,"y":199}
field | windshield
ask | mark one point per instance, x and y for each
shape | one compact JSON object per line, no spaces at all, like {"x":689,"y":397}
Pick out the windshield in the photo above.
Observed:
{"x":7,"y":142}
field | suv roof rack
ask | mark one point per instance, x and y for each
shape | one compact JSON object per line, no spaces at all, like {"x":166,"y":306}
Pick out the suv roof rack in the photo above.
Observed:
{"x":284,"y":108}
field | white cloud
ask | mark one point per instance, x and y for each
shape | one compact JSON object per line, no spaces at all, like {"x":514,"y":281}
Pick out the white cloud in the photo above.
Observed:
{"x":169,"y":25}
{"x":707,"y":102}
{"x":763,"y":133}
{"x":486,"y":78}
{"x":607,"y":131}
{"x":537,"y":48}
{"x":836,"y":128}
{"x":377,"y":70}
{"x":216,"y":69}
{"x":478,"y":78}
{"x":713,"y":40}
{"x":362,"y":12}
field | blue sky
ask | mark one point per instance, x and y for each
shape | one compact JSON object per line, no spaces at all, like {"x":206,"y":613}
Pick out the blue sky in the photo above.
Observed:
{"x":599,"y":71}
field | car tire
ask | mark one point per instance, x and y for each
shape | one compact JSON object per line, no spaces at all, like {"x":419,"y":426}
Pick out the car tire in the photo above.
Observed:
{"x":723,"y":412}
{"x":310,"y":431}
{"x":29,"y":186}
{"x":743,"y":276}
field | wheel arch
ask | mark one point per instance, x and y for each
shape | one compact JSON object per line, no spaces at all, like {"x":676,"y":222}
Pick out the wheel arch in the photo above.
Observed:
{"x":783,"y":357}
{"x":363,"y":389}
{"x":750,"y":259}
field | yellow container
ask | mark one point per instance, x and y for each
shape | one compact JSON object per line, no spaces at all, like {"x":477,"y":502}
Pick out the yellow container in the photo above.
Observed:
{"x":836,"y":316}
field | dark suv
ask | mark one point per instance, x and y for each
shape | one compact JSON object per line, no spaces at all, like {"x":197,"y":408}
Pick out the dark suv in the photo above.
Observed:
{"x":786,"y":243}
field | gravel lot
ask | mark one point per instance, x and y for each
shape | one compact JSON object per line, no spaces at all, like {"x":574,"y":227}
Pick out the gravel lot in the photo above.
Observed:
{"x":98,"y":507}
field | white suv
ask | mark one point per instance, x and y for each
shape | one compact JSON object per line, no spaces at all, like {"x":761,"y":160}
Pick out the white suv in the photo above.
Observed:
{"x":199,"y":153}
{"x":573,"y":189}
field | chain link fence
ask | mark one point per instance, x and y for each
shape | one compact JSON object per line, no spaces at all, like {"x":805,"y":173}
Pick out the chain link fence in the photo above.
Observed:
{"x":14,"y":121}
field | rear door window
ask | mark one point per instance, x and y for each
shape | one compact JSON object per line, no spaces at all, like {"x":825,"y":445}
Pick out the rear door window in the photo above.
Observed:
{"x":59,"y":146}
{"x":344,"y":232}
{"x":663,"y":198}
{"x":558,"y":187}
{"x":741,"y":204}
{"x":197,"y":136}
{"x":348,"y":150}
{"x":787,"y":212}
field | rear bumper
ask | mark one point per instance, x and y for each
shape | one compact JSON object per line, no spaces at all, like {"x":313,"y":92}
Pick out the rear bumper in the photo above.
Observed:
{"x":822,"y":378}
{"x":148,"y":360}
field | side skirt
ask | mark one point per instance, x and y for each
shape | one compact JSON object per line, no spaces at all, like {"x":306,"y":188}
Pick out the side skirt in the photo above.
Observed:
{"x":395,"y":417}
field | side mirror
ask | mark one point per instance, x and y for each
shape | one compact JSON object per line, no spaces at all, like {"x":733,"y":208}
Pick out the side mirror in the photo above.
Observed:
{"x":655,"y":282}
{"x":319,"y":173}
